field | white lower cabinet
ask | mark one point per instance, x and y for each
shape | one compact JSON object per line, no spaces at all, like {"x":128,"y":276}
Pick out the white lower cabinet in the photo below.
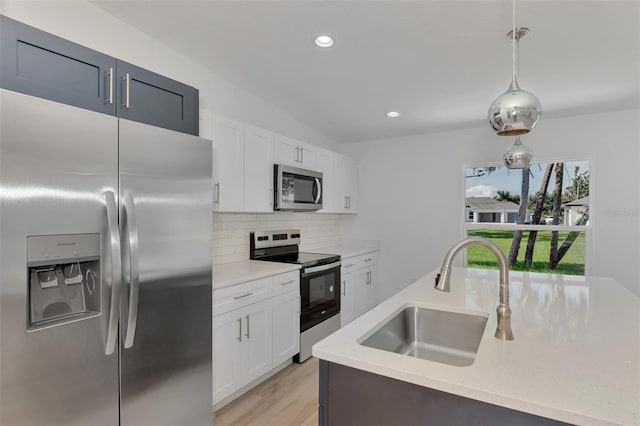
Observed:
{"x":286,"y":326}
{"x":249,"y":340}
{"x":256,"y":337}
{"x":242,"y":342}
{"x":359,"y":291}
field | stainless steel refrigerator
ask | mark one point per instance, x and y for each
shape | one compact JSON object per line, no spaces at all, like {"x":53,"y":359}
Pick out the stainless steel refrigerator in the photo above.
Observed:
{"x":105,"y":269}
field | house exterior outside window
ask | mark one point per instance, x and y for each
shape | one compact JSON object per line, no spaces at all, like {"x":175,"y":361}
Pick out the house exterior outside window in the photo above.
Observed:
{"x":553,"y":236}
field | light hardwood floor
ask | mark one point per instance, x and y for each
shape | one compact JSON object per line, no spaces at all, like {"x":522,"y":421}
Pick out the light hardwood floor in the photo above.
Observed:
{"x":288,"y":398}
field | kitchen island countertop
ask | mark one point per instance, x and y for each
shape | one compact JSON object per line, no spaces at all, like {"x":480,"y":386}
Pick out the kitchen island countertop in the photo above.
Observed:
{"x":575,"y":357}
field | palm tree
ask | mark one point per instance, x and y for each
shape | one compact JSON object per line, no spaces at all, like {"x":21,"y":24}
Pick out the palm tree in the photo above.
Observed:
{"x":522,"y":215}
{"x":508,"y":196}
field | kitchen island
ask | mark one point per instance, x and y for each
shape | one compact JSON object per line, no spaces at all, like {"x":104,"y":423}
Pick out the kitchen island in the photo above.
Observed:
{"x":575,"y":357}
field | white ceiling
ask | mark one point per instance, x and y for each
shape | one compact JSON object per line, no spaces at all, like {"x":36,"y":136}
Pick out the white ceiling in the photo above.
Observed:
{"x":439,"y":63}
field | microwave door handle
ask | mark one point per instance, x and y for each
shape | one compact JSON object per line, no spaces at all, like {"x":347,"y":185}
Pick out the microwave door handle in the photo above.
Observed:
{"x":318,"y":190}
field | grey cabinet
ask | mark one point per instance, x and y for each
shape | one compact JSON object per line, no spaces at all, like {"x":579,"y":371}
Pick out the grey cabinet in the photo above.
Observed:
{"x":151,"y":98}
{"x":40,"y":64}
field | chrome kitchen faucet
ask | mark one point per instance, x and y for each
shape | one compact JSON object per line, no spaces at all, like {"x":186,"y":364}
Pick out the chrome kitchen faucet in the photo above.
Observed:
{"x":443,"y":279}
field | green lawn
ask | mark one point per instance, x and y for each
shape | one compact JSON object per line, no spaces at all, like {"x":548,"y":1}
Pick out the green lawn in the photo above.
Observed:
{"x":572,"y":263}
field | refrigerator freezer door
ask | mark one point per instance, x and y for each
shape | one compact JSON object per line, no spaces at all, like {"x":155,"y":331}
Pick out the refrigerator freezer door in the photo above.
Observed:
{"x":165,"y":193}
{"x":53,"y":177}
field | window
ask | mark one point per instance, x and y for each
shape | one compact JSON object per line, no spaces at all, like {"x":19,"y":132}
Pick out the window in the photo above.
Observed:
{"x":539,"y":217}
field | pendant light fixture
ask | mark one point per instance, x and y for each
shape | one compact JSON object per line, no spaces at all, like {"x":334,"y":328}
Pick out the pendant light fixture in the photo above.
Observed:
{"x":517,"y":111}
{"x":519,"y":156}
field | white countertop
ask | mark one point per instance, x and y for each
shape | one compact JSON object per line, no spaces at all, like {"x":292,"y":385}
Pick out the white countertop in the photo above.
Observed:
{"x":575,"y":357}
{"x":228,"y":274}
{"x":349,"y":249}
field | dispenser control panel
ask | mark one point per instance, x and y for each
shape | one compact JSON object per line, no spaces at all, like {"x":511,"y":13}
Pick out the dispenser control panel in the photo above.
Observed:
{"x":63,"y":279}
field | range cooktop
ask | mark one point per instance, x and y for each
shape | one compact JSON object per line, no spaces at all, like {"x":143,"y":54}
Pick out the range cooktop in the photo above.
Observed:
{"x":282,"y":246}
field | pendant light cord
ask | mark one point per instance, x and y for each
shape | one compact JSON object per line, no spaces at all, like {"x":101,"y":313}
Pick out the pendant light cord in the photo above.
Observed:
{"x":513,"y":44}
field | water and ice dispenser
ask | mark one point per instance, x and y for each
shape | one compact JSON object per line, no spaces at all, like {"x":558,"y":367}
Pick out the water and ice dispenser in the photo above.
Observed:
{"x":64,"y":278}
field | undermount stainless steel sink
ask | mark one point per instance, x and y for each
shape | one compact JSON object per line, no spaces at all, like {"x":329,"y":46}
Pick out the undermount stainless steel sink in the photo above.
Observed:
{"x":441,"y":336}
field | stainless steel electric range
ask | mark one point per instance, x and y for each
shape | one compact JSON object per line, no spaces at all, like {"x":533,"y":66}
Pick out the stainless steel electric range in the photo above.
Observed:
{"x":319,"y":283}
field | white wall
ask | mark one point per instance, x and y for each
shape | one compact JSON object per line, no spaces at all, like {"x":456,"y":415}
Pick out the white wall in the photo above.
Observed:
{"x":410,"y":191}
{"x":231,"y":231}
{"x":88,"y":25}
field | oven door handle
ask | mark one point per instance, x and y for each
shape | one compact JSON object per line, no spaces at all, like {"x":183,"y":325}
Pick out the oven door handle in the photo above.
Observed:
{"x":307,"y":271}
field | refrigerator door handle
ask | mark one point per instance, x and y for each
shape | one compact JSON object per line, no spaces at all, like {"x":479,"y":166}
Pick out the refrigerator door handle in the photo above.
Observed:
{"x":134,"y":272}
{"x":116,"y":271}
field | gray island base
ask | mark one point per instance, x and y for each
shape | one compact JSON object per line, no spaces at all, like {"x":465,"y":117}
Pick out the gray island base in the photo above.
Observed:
{"x":353,"y":397}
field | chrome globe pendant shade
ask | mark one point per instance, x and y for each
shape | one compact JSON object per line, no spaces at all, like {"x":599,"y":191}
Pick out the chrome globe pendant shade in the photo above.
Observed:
{"x":517,"y":111}
{"x":519,"y":156}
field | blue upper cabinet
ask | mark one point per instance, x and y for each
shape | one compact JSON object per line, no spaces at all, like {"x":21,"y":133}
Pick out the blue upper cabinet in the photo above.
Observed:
{"x":40,"y":64}
{"x":43,"y":65}
{"x":150,"y":98}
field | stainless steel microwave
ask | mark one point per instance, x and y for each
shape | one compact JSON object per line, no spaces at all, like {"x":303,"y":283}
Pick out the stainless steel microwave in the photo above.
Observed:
{"x":297,"y":189}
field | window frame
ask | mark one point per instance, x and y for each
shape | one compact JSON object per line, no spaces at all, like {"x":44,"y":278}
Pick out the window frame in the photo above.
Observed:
{"x":588,"y":229}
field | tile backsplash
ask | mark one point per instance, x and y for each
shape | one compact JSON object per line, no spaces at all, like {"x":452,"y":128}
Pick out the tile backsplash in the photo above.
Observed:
{"x":231,"y":231}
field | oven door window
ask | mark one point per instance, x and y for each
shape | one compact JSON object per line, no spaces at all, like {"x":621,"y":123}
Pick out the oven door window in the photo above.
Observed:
{"x":320,"y":297}
{"x":300,"y":189}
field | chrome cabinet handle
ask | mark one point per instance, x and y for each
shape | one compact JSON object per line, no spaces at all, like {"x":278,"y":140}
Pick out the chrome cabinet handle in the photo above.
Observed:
{"x":288,"y":282}
{"x":243,"y":296}
{"x":247,"y":334}
{"x":368,"y":260}
{"x":297,"y":160}
{"x":134,"y":272}
{"x":344,"y":288}
{"x":239,"y":338}
{"x":217,"y":186}
{"x":271,"y":197}
{"x":116,"y":271}
{"x":127,"y":87}
{"x":347,"y":266}
{"x":110,"y":98}
{"x":301,"y":154}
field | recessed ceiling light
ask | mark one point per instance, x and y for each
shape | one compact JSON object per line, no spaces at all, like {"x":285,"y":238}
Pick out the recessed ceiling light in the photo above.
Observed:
{"x":393,"y":114}
{"x":324,"y":41}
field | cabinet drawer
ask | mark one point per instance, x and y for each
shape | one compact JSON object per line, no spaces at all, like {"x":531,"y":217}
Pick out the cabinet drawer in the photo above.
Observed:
{"x":357,"y":262}
{"x":286,"y":282}
{"x":237,"y":296}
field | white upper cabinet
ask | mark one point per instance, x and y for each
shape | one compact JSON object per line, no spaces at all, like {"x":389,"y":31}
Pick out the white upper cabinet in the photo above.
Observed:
{"x":325,"y":165}
{"x":345,"y":173}
{"x":294,"y":153}
{"x":258,"y":169}
{"x":243,"y":167}
{"x":228,"y":164}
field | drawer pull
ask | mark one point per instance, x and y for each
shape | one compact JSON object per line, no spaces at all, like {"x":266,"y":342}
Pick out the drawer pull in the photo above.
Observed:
{"x":243,"y":296}
{"x":288,"y":282}
{"x":368,"y":260}
{"x":349,"y":265}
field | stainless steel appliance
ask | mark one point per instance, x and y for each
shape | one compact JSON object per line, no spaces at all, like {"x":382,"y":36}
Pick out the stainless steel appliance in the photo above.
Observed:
{"x":297,"y":189}
{"x":105,"y":269}
{"x":319,"y":283}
